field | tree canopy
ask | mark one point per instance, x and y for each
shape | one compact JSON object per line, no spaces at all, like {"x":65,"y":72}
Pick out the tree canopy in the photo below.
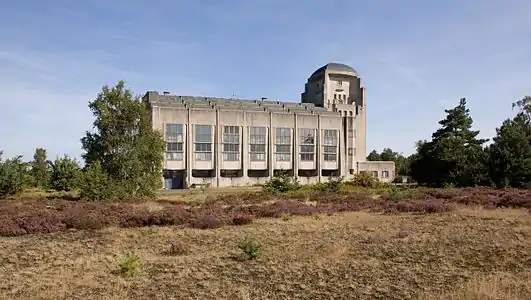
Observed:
{"x":510,"y":152}
{"x":402,"y":162}
{"x":454,"y":156}
{"x":124,"y":143}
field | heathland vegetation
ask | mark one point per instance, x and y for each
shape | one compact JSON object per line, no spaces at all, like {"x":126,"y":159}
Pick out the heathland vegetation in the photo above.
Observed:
{"x":464,"y":228}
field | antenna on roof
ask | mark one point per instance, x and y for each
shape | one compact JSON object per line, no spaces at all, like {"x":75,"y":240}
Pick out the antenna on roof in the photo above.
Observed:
{"x":264,"y":98}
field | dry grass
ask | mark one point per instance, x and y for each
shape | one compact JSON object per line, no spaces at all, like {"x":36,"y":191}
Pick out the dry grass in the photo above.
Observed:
{"x":198,"y":195}
{"x":476,"y":254}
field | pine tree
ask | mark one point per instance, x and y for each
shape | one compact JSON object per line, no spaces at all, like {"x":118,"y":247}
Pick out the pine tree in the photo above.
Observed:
{"x":40,"y":169}
{"x":454,"y":156}
{"x":510,"y":152}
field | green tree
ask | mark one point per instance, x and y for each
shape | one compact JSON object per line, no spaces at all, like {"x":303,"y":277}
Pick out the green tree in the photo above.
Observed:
{"x":388,"y":155}
{"x":13,"y":176}
{"x":130,"y":152}
{"x":454,"y":156}
{"x":65,"y":174}
{"x":510,"y":152}
{"x":402,"y":163}
{"x":374,"y":156}
{"x":40,"y":168}
{"x":95,"y":185}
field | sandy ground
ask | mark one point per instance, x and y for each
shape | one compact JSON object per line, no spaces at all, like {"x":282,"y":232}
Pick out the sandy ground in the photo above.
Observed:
{"x":468,"y":254}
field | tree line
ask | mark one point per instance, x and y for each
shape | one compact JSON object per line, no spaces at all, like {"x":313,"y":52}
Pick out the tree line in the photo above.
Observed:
{"x":455,"y":156}
{"x":123,"y":155}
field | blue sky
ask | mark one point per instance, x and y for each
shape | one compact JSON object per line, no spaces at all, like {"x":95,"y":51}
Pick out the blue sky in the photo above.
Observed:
{"x":416,"y":58}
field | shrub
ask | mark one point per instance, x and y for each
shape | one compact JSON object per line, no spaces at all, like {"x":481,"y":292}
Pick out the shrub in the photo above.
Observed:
{"x":130,"y":265}
{"x":333,"y":185}
{"x":177,"y":248}
{"x":397,"y":194}
{"x":241,"y":219}
{"x":280,"y":184}
{"x":65,"y":174}
{"x":421,"y":206}
{"x":251,"y":248}
{"x":13,"y":176}
{"x":95,"y":184}
{"x":206,"y":221}
{"x":364,"y":179}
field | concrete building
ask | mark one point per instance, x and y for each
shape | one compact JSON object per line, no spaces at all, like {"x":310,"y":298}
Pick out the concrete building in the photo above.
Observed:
{"x":234,"y":142}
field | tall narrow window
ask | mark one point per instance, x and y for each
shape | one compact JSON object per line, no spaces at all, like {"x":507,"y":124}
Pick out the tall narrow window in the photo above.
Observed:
{"x":330,"y":145}
{"x":283,"y":144}
{"x":257,"y":143}
{"x":174,"y":141}
{"x":231,"y":143}
{"x":307,"y":144}
{"x":203,"y":142}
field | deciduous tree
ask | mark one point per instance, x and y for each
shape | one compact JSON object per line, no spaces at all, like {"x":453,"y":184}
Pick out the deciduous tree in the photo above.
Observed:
{"x":129,"y":151}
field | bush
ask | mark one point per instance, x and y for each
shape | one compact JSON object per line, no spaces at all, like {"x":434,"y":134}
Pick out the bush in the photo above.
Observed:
{"x":177,"y":248}
{"x":280,"y":184}
{"x":65,"y":174}
{"x":95,"y":184}
{"x":241,"y":219}
{"x":13,"y":176}
{"x":251,"y":248}
{"x":333,"y":185}
{"x":364,"y":179}
{"x":207,"y":221}
{"x":397,"y":194}
{"x":130,"y":265}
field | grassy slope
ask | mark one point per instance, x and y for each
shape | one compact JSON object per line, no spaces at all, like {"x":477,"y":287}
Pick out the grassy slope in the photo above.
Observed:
{"x":347,"y":256}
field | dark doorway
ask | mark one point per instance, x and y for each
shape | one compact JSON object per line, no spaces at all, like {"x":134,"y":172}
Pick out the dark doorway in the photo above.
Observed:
{"x":174,"y":179}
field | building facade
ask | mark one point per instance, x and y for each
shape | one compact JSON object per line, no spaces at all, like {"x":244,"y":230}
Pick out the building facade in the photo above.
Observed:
{"x":232,"y":142}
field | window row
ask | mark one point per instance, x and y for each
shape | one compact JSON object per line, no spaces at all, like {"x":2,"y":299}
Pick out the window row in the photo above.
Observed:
{"x":257,"y":143}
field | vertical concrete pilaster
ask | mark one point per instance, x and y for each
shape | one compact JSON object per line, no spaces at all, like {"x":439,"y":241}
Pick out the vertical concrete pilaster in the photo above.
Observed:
{"x":217,"y":144}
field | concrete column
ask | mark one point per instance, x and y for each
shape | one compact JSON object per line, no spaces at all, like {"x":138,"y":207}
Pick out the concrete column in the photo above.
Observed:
{"x":157,"y":117}
{"x":318,"y":143}
{"x":244,"y":149}
{"x":363,"y":143}
{"x":295,"y":141}
{"x":270,"y":146}
{"x":189,"y":153}
{"x":217,"y":147}
{"x":343,"y":152}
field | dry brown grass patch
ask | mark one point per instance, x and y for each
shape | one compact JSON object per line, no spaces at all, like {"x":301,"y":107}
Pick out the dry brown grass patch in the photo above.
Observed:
{"x":303,"y":257}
